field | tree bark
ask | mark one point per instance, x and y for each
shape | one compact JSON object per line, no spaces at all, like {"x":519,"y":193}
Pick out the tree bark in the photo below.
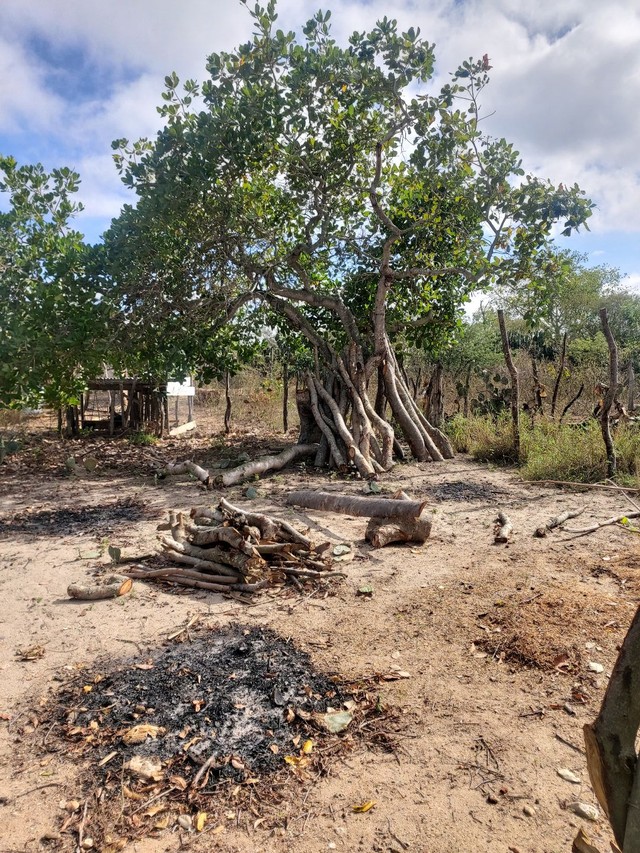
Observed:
{"x":610,"y":743}
{"x":227,"y":397}
{"x":285,"y":397}
{"x":360,"y":506}
{"x":631,"y":389}
{"x":515,"y":385}
{"x":556,"y":387}
{"x":382,"y":531}
{"x":610,"y":396}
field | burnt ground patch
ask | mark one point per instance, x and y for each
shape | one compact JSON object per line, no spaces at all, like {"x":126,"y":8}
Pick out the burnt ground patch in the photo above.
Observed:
{"x":234,"y":717}
{"x":98,"y":520}
{"x":458,"y":490}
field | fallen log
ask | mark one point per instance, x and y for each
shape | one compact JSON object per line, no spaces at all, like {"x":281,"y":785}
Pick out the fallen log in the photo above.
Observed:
{"x":557,"y":521}
{"x":215,"y":554}
{"x":268,"y":463}
{"x":503,"y":528}
{"x":381,"y":531}
{"x":186,"y":467}
{"x":111,"y":587}
{"x":359,"y":506}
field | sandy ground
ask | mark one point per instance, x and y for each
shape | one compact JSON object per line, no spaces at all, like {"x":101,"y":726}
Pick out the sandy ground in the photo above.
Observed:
{"x":485,"y":733}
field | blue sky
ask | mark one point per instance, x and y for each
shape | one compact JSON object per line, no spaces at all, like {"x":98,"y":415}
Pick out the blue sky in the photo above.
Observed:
{"x":76,"y":74}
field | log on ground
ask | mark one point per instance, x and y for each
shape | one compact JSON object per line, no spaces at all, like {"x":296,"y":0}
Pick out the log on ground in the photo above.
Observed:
{"x":359,"y":506}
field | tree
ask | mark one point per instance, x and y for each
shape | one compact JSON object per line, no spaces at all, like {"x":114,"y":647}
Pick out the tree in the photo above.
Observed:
{"x":325,"y":183}
{"x":53,"y":317}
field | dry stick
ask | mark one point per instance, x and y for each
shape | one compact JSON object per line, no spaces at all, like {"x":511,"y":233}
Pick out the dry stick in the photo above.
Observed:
{"x":556,"y":387}
{"x":571,"y":402}
{"x":186,"y":467}
{"x":557,"y":521}
{"x":610,"y":396}
{"x":574,"y":485}
{"x":214,"y":554}
{"x":159,"y":574}
{"x":204,"y":565}
{"x":599,"y":524}
{"x":515,"y":387}
{"x":624,"y":492}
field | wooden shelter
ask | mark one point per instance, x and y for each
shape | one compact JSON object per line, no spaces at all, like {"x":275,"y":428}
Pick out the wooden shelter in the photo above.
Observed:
{"x":113,"y":405}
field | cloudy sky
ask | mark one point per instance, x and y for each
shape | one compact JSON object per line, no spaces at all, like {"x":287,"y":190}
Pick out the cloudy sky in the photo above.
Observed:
{"x":76,"y":74}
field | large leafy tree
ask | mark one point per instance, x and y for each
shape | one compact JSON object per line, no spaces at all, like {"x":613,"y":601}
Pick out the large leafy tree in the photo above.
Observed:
{"x":325,"y":183}
{"x":53,"y":319}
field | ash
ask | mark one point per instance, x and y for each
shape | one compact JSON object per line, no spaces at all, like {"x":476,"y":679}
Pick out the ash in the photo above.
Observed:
{"x":225,"y":693}
{"x":458,"y":490}
{"x":98,"y":520}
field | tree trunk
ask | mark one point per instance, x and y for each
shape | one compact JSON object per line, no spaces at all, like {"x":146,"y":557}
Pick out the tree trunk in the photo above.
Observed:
{"x":537,"y":387}
{"x":227,"y":397}
{"x":515,"y":386}
{"x":268,"y":463}
{"x":467,"y":383}
{"x":611,"y":744}
{"x":360,"y":506}
{"x":285,"y":397}
{"x":631,"y":389}
{"x":610,"y":395}
{"x":556,"y":387}
{"x":435,"y":401}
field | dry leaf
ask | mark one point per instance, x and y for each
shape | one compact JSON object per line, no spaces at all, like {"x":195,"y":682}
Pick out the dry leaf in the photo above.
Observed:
{"x":132,"y":795}
{"x":145,"y":768}
{"x":201,"y":819}
{"x":307,"y":747}
{"x":143,"y":666}
{"x":140,"y":733}
{"x":364,"y":807}
{"x":275,"y":749}
{"x":154,"y":810}
{"x":30,"y":653}
{"x":178,"y":782}
{"x":163,"y":823}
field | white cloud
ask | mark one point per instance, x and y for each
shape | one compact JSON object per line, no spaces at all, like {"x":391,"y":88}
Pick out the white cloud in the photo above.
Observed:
{"x":565,"y":83}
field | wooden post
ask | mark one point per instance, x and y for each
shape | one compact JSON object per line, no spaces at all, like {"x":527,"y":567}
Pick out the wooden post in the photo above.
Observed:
{"x":112,"y":412}
{"x":515,"y":386}
{"x":556,"y":387}
{"x":190,"y":408}
{"x":610,"y":396}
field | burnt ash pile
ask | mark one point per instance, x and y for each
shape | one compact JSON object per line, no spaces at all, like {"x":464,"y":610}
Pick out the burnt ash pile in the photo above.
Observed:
{"x":458,"y":490}
{"x":97,"y":520}
{"x":234,"y":694}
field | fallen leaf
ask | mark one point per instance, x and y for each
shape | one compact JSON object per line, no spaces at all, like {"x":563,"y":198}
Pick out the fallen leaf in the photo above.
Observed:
{"x":30,"y":653}
{"x":152,"y":811}
{"x":307,"y":747}
{"x":132,"y":795}
{"x":297,"y":760}
{"x":140,"y":733}
{"x":179,"y":782}
{"x":201,"y":819}
{"x":143,"y":666}
{"x":364,"y":807}
{"x":163,"y":823}
{"x":145,"y":768}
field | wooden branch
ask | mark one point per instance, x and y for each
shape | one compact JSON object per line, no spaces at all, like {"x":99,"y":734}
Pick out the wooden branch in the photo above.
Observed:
{"x":111,"y":587}
{"x":556,"y":387}
{"x":326,"y":430}
{"x":557,"y":521}
{"x":515,"y":385}
{"x":503,"y":528}
{"x":571,"y":402}
{"x":592,"y":528}
{"x":610,"y":743}
{"x":360,"y":506}
{"x":186,"y":467}
{"x":575,"y":485}
{"x":268,"y":463}
{"x":215,"y":554}
{"x":610,"y":395}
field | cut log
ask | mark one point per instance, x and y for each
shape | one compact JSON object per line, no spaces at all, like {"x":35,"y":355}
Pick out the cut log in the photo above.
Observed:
{"x":381,"y":532}
{"x":215,"y":554}
{"x":186,"y":467}
{"x":111,"y":587}
{"x":503,"y":528}
{"x":360,"y":506}
{"x":557,"y":521}
{"x":268,"y":463}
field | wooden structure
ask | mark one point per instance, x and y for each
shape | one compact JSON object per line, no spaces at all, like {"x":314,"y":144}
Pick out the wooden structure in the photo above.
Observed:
{"x":114,"y":405}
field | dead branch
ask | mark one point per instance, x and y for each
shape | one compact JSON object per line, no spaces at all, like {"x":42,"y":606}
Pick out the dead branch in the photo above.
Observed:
{"x":610,"y":395}
{"x":359,"y":506}
{"x":111,"y":587}
{"x":186,"y":467}
{"x":268,"y":463}
{"x":557,"y":521}
{"x":592,"y":528}
{"x":575,"y":485}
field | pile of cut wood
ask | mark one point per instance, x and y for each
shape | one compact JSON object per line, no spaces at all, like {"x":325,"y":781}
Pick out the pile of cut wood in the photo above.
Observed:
{"x":228,"y":550}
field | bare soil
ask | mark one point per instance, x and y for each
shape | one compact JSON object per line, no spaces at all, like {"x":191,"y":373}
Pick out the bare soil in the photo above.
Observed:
{"x":497,"y":641}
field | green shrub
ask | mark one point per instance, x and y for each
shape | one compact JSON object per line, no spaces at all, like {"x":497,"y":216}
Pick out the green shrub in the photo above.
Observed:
{"x":485,"y":438}
{"x":142,"y":439}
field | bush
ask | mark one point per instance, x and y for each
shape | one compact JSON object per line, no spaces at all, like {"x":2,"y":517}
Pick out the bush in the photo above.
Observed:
{"x":549,"y":451}
{"x":142,"y":439}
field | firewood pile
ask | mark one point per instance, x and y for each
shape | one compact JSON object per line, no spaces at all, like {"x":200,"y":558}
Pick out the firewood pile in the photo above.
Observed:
{"x":228,"y":550}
